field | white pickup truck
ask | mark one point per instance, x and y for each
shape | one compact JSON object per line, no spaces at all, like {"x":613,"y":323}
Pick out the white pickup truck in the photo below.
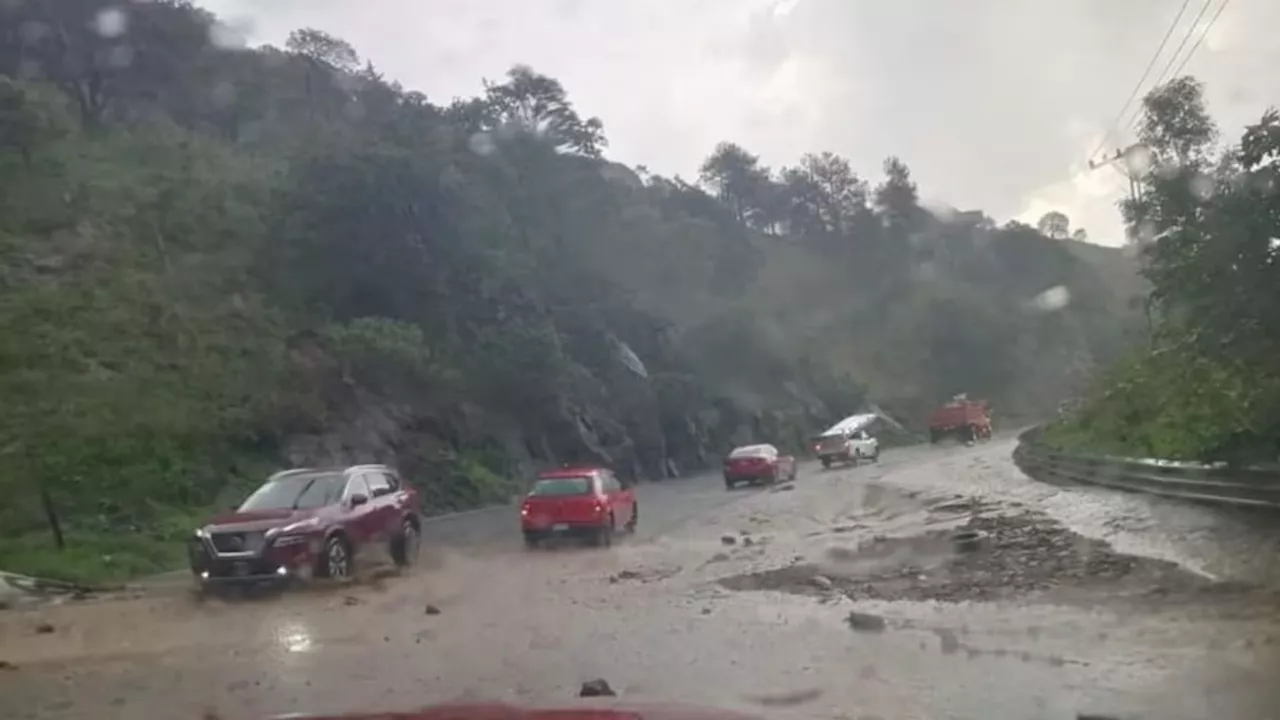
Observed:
{"x":848,"y":441}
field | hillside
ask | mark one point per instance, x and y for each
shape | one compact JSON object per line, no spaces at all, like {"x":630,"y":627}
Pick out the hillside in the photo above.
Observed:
{"x":219,"y":261}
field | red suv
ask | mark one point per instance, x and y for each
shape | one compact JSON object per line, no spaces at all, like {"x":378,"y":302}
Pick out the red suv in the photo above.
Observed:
{"x":585,"y":502}
{"x":305,"y":523}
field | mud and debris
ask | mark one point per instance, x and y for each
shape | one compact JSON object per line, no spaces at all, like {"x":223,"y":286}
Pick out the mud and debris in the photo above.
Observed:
{"x":865,"y":622}
{"x":1025,"y":556}
{"x":596,"y":688}
{"x":791,"y":699}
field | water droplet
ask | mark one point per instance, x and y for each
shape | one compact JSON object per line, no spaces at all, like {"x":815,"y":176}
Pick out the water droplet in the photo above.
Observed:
{"x":111,"y":22}
{"x":1053,"y":299}
{"x":482,"y":143}
{"x":1201,"y":186}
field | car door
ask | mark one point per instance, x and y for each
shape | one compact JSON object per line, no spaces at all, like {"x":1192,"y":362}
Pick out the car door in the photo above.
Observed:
{"x":621,"y":499}
{"x":386,"y":512}
{"x":865,"y":444}
{"x":360,"y":522}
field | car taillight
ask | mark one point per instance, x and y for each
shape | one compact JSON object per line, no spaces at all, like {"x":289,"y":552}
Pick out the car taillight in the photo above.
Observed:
{"x":524,"y":509}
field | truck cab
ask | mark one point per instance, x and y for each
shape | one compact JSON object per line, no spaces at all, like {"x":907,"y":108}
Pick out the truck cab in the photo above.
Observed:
{"x":968,"y":420}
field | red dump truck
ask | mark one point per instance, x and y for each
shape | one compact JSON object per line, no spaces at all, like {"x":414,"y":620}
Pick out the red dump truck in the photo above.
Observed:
{"x":962,"y":418}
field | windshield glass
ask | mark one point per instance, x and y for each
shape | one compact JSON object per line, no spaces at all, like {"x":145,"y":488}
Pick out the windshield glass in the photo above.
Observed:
{"x":562,"y":486}
{"x":303,"y":491}
{"x":753,"y":451}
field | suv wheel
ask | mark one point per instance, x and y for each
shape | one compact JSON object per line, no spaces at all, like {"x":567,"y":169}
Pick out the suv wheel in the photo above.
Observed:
{"x":404,"y":549}
{"x":335,"y":561}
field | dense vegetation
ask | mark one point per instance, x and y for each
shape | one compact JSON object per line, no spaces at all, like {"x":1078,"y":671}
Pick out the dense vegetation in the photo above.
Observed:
{"x":217,"y":261}
{"x":1206,"y":386}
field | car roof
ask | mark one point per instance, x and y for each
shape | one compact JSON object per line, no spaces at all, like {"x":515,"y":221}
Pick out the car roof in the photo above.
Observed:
{"x":760,"y":449}
{"x":345,"y":470}
{"x":570,"y":472}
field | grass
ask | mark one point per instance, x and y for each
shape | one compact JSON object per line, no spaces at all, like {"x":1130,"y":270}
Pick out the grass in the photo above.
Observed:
{"x":91,"y":559}
{"x":102,"y":558}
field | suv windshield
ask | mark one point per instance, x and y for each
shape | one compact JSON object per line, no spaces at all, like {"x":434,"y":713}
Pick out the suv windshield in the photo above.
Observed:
{"x":562,"y":486}
{"x":304,"y":491}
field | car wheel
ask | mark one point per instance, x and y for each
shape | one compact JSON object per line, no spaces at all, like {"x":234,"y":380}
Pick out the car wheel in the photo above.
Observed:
{"x":635,"y":519}
{"x":604,"y":535}
{"x":404,"y":550}
{"x":335,"y":562}
{"x":729,"y":484}
{"x":826,"y":463}
{"x":531,"y":541}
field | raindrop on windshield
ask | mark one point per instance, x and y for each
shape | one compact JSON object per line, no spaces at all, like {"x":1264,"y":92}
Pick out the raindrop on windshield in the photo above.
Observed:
{"x":111,"y":22}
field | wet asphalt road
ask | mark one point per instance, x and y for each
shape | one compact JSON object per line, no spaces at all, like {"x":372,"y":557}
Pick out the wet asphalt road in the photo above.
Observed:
{"x":649,"y":616}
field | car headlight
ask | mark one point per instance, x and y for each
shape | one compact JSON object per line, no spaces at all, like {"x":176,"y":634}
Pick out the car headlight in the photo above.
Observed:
{"x":285,"y":540}
{"x":200,"y":534}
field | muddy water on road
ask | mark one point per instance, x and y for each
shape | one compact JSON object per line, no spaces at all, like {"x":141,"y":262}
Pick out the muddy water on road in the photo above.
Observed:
{"x":652,"y":616}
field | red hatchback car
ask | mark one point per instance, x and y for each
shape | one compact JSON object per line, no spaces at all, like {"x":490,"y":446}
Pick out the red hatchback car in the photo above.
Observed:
{"x":585,"y":502}
{"x":309,"y":523}
{"x":754,"y":464}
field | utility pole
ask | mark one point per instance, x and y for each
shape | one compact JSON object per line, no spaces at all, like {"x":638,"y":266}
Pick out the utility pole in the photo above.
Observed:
{"x":1131,"y":162}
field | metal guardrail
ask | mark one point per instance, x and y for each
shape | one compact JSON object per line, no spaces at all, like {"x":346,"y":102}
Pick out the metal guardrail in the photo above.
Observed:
{"x":1241,"y":486}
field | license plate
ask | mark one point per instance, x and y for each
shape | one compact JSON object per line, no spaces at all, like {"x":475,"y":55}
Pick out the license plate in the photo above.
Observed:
{"x":560,"y":527}
{"x":240,"y":569}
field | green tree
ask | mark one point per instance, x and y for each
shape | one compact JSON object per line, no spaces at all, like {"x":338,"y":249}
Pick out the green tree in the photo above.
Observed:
{"x":1054,"y":224}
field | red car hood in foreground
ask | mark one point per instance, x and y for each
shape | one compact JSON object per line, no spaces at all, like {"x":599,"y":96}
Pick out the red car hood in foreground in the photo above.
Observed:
{"x":496,"y":711}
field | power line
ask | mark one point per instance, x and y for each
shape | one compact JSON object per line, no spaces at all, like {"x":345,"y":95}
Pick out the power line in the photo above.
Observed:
{"x":1203,"y":35}
{"x":1164,"y":73}
{"x":1138,"y":86}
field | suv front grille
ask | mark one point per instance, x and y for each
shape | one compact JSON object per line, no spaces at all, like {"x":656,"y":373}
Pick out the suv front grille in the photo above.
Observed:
{"x":236,"y":542}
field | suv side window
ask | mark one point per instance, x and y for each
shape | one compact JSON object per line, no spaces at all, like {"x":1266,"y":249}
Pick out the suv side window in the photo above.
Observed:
{"x":378,"y":484}
{"x":393,"y":480}
{"x":356,"y":486}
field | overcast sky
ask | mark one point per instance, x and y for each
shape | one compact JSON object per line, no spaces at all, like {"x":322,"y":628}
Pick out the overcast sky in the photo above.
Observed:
{"x":994,"y":104}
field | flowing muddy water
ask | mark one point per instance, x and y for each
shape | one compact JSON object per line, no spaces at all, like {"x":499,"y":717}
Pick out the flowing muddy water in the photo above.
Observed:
{"x":654,"y":616}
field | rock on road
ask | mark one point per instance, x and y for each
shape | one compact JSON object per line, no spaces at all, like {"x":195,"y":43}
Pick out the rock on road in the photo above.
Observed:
{"x":833,"y":597}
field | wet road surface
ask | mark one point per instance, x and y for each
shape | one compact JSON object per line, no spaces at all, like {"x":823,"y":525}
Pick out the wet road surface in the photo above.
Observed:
{"x":653,"y":616}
